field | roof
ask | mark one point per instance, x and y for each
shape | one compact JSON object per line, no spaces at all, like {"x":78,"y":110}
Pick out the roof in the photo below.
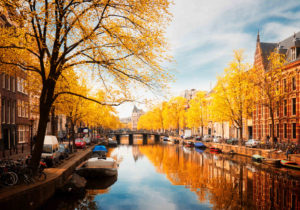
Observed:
{"x":283,"y":47}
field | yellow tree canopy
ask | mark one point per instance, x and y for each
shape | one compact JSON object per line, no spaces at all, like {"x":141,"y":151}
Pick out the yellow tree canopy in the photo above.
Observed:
{"x":197,"y":114}
{"x":235,"y":91}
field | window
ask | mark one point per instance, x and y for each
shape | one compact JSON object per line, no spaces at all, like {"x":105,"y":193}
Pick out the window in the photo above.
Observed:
{"x":8,"y":112}
{"x":277,"y":85}
{"x":294,"y":83}
{"x":19,"y":108}
{"x":285,"y":108}
{"x":294,"y":130}
{"x":270,"y":129}
{"x":293,"y":54}
{"x":3,"y":110}
{"x":277,"y":109}
{"x":3,"y":80}
{"x":13,"y":84}
{"x":23,"y":108}
{"x":294,"y":106}
{"x":285,"y":130}
{"x":277,"y":130}
{"x":284,"y":85}
{"x":21,"y":132}
{"x":13,"y":108}
{"x":18,"y":84}
{"x":8,"y":82}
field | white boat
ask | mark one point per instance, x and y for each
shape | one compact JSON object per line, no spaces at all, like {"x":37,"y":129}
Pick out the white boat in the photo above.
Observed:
{"x":97,"y":167}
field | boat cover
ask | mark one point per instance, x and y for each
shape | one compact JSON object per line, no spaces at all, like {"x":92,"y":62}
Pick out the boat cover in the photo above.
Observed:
{"x":199,"y":144}
{"x":99,"y":148}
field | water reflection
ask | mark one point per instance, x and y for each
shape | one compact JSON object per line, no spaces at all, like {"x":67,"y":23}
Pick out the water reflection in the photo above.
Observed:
{"x":165,"y":176}
{"x":227,"y":183}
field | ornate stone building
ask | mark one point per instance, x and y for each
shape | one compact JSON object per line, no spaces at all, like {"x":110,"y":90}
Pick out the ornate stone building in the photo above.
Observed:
{"x":136,"y":114}
{"x":287,"y":122}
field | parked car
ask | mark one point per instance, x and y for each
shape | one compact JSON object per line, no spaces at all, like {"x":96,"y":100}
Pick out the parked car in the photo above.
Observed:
{"x":207,"y":138}
{"x":217,"y":139}
{"x":198,"y":138}
{"x":87,"y":140}
{"x":187,"y":137}
{"x":79,"y":143}
{"x":165,"y":138}
{"x":50,"y":154}
{"x":233,"y":141}
{"x":64,"y":150}
{"x":252,"y":143}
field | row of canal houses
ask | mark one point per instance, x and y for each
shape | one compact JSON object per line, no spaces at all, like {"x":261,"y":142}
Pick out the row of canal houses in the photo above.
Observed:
{"x":287,"y":122}
{"x":18,"y":109}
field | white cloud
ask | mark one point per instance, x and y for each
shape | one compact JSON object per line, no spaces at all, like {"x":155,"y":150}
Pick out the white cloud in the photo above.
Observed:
{"x":204,"y":33}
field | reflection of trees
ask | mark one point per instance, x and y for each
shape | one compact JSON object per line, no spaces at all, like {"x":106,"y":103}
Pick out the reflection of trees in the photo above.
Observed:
{"x":227,"y":182}
{"x":200,"y":174}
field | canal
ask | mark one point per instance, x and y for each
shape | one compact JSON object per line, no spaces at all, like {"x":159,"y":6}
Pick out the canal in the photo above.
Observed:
{"x":168,"y":176}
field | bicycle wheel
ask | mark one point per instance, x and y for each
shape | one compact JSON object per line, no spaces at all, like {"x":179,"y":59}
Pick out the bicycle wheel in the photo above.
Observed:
{"x":42,"y":176}
{"x":16,"y":178}
{"x":8,"y":179}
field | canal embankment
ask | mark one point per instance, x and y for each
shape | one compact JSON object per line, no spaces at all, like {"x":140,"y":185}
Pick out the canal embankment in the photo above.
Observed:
{"x":34,"y":195}
{"x":247,"y":151}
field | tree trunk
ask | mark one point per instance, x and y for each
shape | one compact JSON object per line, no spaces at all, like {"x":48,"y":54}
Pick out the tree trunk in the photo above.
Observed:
{"x":45,"y":106}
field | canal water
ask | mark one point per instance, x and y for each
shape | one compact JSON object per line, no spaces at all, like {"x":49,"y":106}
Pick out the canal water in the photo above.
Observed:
{"x":168,"y":176}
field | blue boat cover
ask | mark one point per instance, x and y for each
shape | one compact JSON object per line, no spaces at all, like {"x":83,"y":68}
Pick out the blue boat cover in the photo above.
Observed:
{"x":99,"y":148}
{"x":199,"y":144}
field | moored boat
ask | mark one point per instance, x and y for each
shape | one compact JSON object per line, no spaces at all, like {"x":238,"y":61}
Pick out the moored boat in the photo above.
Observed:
{"x":257,"y":158}
{"x":99,"y":151}
{"x":112,"y":143}
{"x":215,"y":149}
{"x":270,"y":161}
{"x":199,"y":145}
{"x":97,"y":167}
{"x":189,"y":144}
{"x":231,"y":152}
{"x":290,"y":164}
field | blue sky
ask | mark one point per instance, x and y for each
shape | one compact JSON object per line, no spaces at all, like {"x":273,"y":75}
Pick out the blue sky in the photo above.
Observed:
{"x":204,"y":33}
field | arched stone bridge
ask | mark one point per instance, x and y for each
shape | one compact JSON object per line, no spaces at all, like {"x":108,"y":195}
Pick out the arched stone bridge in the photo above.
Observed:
{"x":130,"y":134}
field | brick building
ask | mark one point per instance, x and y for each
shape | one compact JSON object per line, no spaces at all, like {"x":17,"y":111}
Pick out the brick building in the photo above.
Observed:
{"x":287,"y":123}
{"x":14,"y":101}
{"x":14,"y":110}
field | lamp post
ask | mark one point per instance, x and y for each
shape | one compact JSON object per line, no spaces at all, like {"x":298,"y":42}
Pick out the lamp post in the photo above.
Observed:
{"x":31,"y":136}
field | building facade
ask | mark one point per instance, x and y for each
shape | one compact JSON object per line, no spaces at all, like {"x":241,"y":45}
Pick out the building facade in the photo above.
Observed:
{"x":136,"y":114}
{"x":287,"y":123}
{"x":15,"y":125}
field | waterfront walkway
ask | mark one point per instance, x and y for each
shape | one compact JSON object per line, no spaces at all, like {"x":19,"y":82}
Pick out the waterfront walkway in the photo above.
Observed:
{"x":32,"y":196}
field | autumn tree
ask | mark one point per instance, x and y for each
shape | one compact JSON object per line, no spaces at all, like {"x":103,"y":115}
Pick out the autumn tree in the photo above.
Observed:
{"x":270,"y":95}
{"x":197,"y":113}
{"x":174,"y":113}
{"x":235,"y":92}
{"x":118,"y":42}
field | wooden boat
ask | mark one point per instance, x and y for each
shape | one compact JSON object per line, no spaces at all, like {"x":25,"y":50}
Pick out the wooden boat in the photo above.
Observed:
{"x":270,"y":161}
{"x":97,"y":167}
{"x":214,"y":149}
{"x":189,"y":144}
{"x":199,"y":145}
{"x":231,"y":152}
{"x":290,"y":164}
{"x":257,"y":158}
{"x":112,"y":143}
